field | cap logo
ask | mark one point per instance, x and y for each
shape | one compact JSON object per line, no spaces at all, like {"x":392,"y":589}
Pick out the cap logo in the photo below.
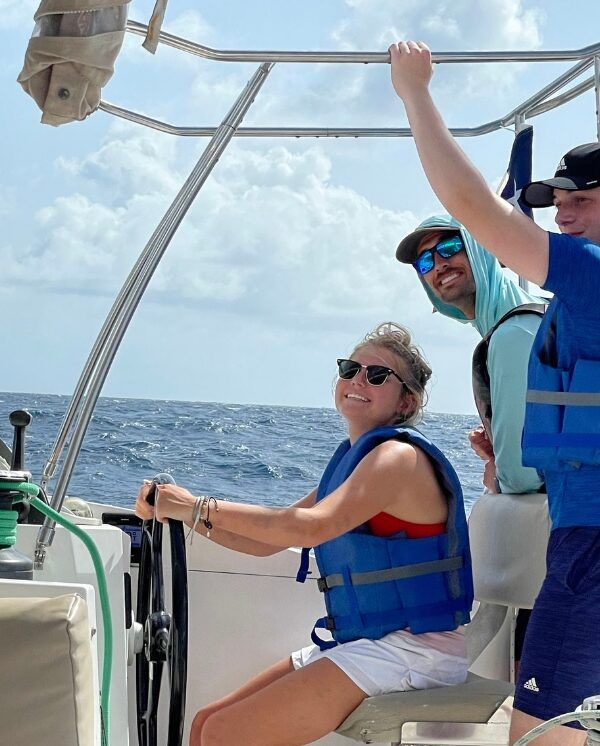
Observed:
{"x":562,"y":165}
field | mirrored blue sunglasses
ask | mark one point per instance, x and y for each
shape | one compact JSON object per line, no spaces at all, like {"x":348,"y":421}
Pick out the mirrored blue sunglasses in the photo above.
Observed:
{"x":446,"y":248}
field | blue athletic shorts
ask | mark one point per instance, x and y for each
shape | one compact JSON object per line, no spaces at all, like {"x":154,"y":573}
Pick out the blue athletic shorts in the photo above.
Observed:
{"x":560,"y":665}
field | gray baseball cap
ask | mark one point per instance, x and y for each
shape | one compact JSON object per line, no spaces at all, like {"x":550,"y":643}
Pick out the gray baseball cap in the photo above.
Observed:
{"x":408,"y":247}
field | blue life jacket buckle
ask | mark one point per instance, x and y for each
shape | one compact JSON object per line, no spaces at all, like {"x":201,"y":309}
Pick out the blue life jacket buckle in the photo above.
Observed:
{"x":322,"y":585}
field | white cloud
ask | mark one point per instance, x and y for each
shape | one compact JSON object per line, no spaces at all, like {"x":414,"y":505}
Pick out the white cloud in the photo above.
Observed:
{"x":273,"y":235}
{"x":494,"y":24}
{"x":87,"y":239}
{"x":173,"y":85}
{"x":65,"y":254}
{"x":446,"y":25}
{"x":130,"y":162}
{"x":270,"y":236}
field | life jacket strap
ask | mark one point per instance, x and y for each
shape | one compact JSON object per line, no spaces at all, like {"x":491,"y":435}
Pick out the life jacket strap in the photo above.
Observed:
{"x":560,"y":440}
{"x":564,"y":398}
{"x":322,"y":623}
{"x":303,"y":570}
{"x":394,"y":573}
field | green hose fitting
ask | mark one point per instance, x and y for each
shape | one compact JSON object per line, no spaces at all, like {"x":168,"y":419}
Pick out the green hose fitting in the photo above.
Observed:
{"x":32,"y":491}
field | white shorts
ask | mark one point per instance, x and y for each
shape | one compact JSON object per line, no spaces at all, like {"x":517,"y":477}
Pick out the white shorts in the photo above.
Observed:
{"x":395,"y":663}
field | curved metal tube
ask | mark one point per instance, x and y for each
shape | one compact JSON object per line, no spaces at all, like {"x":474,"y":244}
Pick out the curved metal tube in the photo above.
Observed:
{"x":120,"y":315}
{"x":564,"y":98}
{"x":529,"y":107}
{"x":227,"y":55}
{"x":182,"y":131}
{"x":548,"y":90}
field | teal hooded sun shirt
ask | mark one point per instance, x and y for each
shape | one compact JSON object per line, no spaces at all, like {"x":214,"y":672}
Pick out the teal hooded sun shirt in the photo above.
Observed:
{"x":508,"y":355}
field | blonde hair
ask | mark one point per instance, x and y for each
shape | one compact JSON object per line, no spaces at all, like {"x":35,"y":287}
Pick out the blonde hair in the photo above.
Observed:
{"x":414,"y":369}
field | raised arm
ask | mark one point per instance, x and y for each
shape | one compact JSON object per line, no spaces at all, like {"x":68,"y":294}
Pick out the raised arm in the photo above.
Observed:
{"x":515,"y":239}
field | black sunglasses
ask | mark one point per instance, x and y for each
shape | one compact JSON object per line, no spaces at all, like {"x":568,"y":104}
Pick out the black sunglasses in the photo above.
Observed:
{"x":376,"y":375}
{"x":446,"y":248}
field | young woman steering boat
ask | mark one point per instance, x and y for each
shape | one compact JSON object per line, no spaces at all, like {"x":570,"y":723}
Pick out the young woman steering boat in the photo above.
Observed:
{"x":388,"y":525}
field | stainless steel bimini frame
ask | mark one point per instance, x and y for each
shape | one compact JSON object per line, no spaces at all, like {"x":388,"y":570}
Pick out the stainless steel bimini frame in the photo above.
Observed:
{"x":91,"y":381}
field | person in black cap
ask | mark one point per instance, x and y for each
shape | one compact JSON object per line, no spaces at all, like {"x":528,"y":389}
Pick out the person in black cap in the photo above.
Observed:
{"x":561,"y":437}
{"x":578,"y":170}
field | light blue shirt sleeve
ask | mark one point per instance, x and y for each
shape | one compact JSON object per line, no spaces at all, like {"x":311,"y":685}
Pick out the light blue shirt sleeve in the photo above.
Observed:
{"x":508,"y":358}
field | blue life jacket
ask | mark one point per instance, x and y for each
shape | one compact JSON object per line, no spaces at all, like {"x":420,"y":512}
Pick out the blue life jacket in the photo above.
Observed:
{"x":374,"y":585}
{"x":562,"y":416}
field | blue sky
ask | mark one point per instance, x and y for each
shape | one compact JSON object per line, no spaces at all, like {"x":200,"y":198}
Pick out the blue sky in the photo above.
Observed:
{"x":287,"y":256}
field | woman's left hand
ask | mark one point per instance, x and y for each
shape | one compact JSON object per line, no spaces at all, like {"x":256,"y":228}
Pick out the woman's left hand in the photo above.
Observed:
{"x":171,"y":501}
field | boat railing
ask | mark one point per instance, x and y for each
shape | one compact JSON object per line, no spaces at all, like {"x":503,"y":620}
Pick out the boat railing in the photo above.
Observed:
{"x":247,"y":55}
{"x":537,"y":104}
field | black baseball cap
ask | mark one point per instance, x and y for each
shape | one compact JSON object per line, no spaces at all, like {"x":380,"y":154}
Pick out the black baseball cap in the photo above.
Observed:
{"x":579,"y":169}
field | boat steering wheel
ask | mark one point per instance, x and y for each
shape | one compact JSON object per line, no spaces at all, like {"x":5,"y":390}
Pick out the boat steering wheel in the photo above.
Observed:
{"x":165,"y":634}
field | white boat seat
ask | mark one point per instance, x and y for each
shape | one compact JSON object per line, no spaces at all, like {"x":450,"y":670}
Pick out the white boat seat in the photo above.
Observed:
{"x":380,"y":719}
{"x":46,"y":671}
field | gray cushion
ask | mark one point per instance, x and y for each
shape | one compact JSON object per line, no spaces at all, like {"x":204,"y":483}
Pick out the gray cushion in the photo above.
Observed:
{"x":509,"y":536}
{"x":46,"y":669}
{"x":380,"y":719}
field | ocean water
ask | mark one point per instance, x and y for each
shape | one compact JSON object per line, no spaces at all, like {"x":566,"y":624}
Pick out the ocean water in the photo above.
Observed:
{"x":254,"y":454}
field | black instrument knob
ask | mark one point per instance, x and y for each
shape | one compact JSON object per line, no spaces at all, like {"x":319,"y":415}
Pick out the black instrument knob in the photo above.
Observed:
{"x":19,"y":419}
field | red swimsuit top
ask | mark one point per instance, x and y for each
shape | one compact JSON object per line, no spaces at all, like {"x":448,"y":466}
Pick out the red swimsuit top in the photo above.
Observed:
{"x":384,"y":524}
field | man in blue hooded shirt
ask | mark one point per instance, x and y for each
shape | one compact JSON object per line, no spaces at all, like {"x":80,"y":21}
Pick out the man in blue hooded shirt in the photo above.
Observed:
{"x":470,"y":287}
